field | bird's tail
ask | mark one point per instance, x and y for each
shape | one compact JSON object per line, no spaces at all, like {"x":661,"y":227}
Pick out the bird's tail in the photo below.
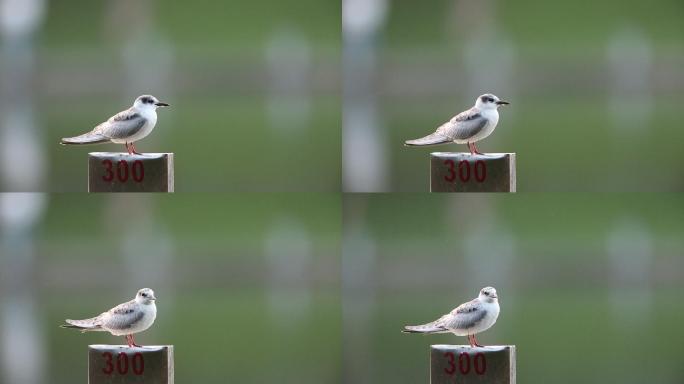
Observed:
{"x":86,"y":138}
{"x":432,"y":139}
{"x":424,"y":328}
{"x":84,"y":325}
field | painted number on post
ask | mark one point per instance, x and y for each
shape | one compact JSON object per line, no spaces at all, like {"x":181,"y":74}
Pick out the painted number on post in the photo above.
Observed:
{"x":465,"y":171}
{"x":478,"y":364}
{"x":123,"y":364}
{"x":122,"y":172}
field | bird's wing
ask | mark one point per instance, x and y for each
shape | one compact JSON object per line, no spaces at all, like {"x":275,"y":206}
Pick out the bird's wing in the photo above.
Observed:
{"x":431,"y":139}
{"x":437,"y":326}
{"x":122,"y":125}
{"x":123,"y":316}
{"x":464,"y":125}
{"x":92,"y":324}
{"x":465,"y":316}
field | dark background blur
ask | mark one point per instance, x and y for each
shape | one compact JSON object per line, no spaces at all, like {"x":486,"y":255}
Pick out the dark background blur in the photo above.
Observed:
{"x":253,"y":88}
{"x":595,"y":89}
{"x":589,"y":285}
{"x":247,"y":286}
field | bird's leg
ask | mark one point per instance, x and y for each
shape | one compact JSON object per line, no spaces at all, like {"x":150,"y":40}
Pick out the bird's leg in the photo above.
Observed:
{"x":128,"y":149}
{"x":133,"y":342}
{"x":476,"y":151}
{"x":134,"y":151}
{"x":128,"y":340}
{"x":470,"y":340}
{"x":470,"y":147}
{"x":476,"y":343}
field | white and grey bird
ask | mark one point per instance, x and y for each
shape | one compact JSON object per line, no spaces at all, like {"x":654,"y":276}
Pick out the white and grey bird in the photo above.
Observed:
{"x":468,"y":319}
{"x":468,"y":127}
{"x":125,"y":319}
{"x":125,"y":127}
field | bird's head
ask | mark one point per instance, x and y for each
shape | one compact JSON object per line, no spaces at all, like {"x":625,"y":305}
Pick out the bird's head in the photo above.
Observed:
{"x":145,"y":296}
{"x":148,"y":102}
{"x":488,"y":294}
{"x":489,"y":101}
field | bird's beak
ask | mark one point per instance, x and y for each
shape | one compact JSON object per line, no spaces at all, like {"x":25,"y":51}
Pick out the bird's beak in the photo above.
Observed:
{"x":160,"y":104}
{"x":502,"y":102}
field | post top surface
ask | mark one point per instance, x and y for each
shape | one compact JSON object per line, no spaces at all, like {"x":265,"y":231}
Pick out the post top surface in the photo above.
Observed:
{"x":146,"y":348}
{"x":489,"y":348}
{"x":475,"y":156}
{"x":133,"y":156}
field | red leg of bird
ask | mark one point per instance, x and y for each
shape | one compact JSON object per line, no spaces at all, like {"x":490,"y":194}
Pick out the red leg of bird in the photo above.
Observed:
{"x":476,"y":343}
{"x":476,"y":151}
{"x":128,"y":149}
{"x":128,"y":340}
{"x":470,"y":148}
{"x":133,"y":342}
{"x":470,"y":340}
{"x":134,"y":151}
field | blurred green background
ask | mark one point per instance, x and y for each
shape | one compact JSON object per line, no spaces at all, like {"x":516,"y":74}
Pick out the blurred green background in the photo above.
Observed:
{"x":247,"y":286}
{"x":595,"y":90}
{"x":253,"y":88}
{"x":589,"y":285}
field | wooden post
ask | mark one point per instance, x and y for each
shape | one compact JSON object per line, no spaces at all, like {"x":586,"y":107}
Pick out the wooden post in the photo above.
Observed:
{"x":121,"y":172}
{"x":463,"y":364}
{"x":120,"y":364}
{"x":463,"y":172}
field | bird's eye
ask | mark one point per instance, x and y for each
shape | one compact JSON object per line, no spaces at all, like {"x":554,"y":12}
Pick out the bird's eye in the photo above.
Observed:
{"x":144,"y":295}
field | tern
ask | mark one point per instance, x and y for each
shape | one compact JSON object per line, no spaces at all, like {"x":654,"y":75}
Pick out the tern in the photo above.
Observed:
{"x":468,"y":319}
{"x":468,"y":127}
{"x":125,"y":127}
{"x":125,"y":319}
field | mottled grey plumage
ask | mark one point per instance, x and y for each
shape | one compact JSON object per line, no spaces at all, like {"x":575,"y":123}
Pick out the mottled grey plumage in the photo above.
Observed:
{"x":122,"y":317}
{"x":471,"y":122}
{"x":467,"y":315}
{"x":122,"y":125}
{"x":463,"y":126}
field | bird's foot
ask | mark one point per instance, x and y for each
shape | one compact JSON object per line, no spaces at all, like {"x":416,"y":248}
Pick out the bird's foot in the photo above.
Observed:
{"x":475,"y":149}
{"x":134,"y":150}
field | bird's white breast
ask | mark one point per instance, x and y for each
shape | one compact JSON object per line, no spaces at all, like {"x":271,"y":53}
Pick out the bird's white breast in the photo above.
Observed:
{"x":150,"y":312}
{"x":492,"y":116}
{"x":150,"y":116}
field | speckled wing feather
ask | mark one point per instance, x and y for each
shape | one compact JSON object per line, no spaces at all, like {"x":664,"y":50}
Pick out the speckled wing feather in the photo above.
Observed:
{"x":122,"y":125}
{"x":465,"y":316}
{"x":463,"y":126}
{"x":123,"y":316}
{"x":433,"y":327}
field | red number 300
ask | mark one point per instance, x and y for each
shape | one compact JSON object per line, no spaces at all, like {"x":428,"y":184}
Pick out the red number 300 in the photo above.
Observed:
{"x":464,"y":171}
{"x":479,"y":363}
{"x":122,"y":364}
{"x":137,"y":171}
